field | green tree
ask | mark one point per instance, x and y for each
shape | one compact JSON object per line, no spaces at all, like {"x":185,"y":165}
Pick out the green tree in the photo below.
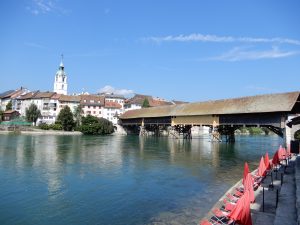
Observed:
{"x":255,"y":130}
{"x":96,"y":126}
{"x":146,"y":103}
{"x":1,"y":114}
{"x":9,"y":106}
{"x":32,"y":113}
{"x":77,"y":115}
{"x":65,"y":118}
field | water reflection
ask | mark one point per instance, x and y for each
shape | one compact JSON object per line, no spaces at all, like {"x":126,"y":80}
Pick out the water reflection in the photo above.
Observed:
{"x":109,"y":180}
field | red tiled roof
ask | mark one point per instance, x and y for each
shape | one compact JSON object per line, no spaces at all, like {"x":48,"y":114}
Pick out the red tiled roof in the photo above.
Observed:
{"x":154,"y":103}
{"x":10,"y":111}
{"x":69,"y":98}
{"x":14,"y":94}
{"x":56,"y":96}
{"x":44,"y":95}
{"x":92,"y":100}
{"x":112,"y":105}
{"x":29,"y":95}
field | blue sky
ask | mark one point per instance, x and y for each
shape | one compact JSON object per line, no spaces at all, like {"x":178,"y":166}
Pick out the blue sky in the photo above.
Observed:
{"x":183,"y":50}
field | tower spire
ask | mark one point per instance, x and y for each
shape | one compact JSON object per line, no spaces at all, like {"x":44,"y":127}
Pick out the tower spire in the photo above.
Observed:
{"x":61,"y":61}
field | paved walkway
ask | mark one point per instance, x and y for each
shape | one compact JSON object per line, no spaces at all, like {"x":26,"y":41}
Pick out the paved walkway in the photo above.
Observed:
{"x":279,"y":206}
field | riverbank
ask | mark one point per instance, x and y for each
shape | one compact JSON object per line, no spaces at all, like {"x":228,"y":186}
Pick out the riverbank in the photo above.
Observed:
{"x":277,"y":204}
{"x":41,"y":132}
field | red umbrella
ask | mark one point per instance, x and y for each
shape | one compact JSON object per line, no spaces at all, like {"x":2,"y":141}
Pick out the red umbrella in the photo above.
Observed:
{"x":282,"y":153}
{"x":275,"y":160}
{"x":261,"y":168}
{"x":248,"y":186}
{"x":246,"y":171}
{"x":267,"y":161}
{"x":241,"y":213}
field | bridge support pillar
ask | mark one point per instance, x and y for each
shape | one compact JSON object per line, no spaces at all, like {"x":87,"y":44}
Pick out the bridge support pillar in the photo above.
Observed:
{"x":228,"y":132}
{"x":230,"y":138}
{"x":143,"y":131}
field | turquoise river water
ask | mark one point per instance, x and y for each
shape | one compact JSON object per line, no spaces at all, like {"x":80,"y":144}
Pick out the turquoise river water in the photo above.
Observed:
{"x":111,"y":180}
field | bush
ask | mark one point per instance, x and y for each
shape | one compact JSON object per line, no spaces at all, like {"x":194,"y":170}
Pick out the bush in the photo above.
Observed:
{"x":55,"y":126}
{"x":44,"y":126}
{"x":96,"y":126}
{"x":255,"y":130}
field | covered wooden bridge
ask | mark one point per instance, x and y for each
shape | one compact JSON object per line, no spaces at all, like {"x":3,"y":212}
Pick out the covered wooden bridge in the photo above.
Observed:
{"x":223,"y":116}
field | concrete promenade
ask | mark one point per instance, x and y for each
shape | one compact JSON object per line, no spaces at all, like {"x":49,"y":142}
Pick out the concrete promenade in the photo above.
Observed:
{"x":278,"y":204}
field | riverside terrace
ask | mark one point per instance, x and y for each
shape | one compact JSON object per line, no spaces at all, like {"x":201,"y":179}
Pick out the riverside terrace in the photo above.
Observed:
{"x":222,"y":116}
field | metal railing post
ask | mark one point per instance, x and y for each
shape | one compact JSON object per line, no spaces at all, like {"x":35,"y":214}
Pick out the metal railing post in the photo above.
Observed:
{"x":263,"y":199}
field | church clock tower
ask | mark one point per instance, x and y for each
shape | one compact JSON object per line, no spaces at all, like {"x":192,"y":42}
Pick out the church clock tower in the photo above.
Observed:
{"x":60,"y":80}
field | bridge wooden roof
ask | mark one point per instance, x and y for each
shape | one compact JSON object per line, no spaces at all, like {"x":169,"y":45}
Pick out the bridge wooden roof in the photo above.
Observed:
{"x":283,"y":102}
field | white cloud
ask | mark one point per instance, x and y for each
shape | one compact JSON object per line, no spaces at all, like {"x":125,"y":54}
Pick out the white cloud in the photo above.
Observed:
{"x":38,"y":7}
{"x":110,"y":89}
{"x":221,"y":39}
{"x":239,"y":54}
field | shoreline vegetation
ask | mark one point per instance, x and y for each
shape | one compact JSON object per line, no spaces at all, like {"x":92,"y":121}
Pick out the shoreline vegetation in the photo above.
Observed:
{"x":41,"y":132}
{"x":50,"y":130}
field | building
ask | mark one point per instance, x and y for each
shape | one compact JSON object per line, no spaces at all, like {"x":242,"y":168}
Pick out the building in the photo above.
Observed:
{"x":12,"y":96}
{"x":10,"y":115}
{"x":72,"y":101}
{"x":60,"y":80}
{"x":24,"y":101}
{"x":92,"y":105}
{"x":112,"y":111}
{"x":47,"y":103}
{"x":137,"y":100}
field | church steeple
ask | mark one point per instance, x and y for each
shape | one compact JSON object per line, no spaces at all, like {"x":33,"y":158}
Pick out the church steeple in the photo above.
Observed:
{"x":61,"y":65}
{"x":60,"y":80}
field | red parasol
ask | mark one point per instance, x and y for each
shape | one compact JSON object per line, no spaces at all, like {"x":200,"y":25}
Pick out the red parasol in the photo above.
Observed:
{"x":241,"y":213}
{"x":267,"y":161}
{"x":261,"y":168}
{"x":248,"y":186}
{"x":275,"y":160}
{"x":246,"y":171}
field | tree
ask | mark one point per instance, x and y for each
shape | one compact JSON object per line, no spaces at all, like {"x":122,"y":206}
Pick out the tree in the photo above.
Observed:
{"x":146,"y":103}
{"x":96,"y":126}
{"x":65,"y":118}
{"x":32,"y":113}
{"x":1,"y":114}
{"x":77,"y":115}
{"x":9,"y":106}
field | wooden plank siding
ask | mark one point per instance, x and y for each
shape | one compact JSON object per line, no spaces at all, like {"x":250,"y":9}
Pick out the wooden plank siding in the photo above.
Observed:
{"x":254,"y":119}
{"x":158,"y":120}
{"x":212,"y":120}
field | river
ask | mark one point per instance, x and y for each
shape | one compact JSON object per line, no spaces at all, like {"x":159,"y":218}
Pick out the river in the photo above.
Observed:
{"x":51,"y":179}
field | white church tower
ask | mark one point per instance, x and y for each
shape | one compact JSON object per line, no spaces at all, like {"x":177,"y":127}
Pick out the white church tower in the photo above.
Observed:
{"x":60,"y":80}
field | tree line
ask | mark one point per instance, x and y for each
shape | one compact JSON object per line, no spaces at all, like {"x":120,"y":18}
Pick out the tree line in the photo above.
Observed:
{"x":68,"y":121}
